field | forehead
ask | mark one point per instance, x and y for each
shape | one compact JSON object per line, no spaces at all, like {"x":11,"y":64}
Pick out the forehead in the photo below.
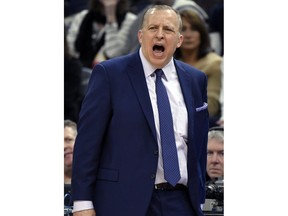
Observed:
{"x":69,"y":131}
{"x":161,"y":17}
{"x":215,"y":144}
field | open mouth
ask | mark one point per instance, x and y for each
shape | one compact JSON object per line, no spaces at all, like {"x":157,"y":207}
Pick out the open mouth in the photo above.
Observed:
{"x":158,"y":48}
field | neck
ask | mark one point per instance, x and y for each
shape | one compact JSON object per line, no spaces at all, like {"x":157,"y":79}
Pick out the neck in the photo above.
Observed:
{"x":189,"y":57}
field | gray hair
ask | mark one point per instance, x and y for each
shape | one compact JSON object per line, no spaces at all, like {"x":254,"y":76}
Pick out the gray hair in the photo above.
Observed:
{"x":158,"y":8}
{"x":216,"y":134}
{"x":71,"y":124}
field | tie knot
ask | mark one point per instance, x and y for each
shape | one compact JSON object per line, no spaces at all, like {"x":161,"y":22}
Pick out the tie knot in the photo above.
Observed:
{"x":159,"y":72}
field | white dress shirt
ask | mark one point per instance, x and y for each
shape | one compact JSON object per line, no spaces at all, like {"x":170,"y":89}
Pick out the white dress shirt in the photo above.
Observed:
{"x":179,"y":114}
{"x":180,"y":121}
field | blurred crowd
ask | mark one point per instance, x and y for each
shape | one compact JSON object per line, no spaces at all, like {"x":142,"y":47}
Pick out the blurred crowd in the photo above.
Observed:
{"x":97,"y":30}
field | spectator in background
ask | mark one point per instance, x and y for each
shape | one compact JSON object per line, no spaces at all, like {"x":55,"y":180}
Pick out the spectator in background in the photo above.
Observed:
{"x":215,"y":154}
{"x":216,"y":24}
{"x":103,"y":31}
{"x":196,"y":51}
{"x":192,"y":5}
{"x":215,"y":171}
{"x":220,"y":121}
{"x":70,"y":133}
{"x":72,"y":31}
{"x":72,"y":84}
{"x":71,"y":9}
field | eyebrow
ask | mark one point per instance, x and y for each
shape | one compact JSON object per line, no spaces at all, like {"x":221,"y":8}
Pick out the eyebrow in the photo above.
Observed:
{"x":164,"y":27}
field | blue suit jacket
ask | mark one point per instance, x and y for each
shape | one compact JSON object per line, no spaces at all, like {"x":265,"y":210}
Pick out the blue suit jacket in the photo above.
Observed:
{"x":116,"y":152}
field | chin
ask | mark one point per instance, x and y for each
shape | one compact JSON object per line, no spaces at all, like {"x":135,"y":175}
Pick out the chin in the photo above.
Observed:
{"x":188,"y":47}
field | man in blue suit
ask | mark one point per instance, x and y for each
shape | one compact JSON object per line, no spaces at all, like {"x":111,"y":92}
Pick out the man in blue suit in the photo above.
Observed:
{"x":118,"y":162}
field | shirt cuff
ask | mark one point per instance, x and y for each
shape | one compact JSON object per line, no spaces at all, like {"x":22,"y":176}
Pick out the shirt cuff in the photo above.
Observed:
{"x":82,"y":205}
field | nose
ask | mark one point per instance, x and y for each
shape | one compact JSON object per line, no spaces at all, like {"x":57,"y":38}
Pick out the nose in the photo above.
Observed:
{"x":215,"y":158}
{"x":159,"y":33}
{"x":68,"y":144}
{"x":189,"y":33}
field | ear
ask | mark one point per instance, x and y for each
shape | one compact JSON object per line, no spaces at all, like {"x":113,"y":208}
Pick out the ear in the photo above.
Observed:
{"x":180,"y":40}
{"x":140,"y":34}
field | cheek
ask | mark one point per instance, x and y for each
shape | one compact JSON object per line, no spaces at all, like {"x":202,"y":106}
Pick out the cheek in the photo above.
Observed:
{"x":197,"y":38}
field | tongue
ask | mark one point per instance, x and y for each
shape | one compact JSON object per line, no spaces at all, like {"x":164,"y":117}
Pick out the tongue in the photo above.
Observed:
{"x":158,"y":52}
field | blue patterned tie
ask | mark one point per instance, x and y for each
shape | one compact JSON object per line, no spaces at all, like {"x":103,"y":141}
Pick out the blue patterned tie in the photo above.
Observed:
{"x":169,"y":152}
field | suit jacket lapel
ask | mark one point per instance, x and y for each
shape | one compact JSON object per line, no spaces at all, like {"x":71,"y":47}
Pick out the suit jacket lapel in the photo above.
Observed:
{"x":186,"y":81}
{"x":138,"y":81}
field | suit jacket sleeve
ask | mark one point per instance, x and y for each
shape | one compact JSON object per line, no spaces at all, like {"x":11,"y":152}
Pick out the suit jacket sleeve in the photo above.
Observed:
{"x":96,"y":107}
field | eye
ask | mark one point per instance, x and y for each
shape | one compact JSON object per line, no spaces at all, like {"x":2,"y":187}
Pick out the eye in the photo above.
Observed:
{"x":153,"y":28}
{"x":209,"y":153}
{"x":168,"y":29}
{"x":69,"y":140}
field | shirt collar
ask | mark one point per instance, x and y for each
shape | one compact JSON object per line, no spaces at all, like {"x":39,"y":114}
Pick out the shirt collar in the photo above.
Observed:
{"x":168,"y":69}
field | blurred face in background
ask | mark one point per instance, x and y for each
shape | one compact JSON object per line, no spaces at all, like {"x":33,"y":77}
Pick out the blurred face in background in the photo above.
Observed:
{"x":69,"y":140}
{"x":192,"y":37}
{"x":215,"y":158}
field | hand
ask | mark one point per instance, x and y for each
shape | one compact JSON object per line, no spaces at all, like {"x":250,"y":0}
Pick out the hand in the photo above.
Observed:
{"x":89,"y":212}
